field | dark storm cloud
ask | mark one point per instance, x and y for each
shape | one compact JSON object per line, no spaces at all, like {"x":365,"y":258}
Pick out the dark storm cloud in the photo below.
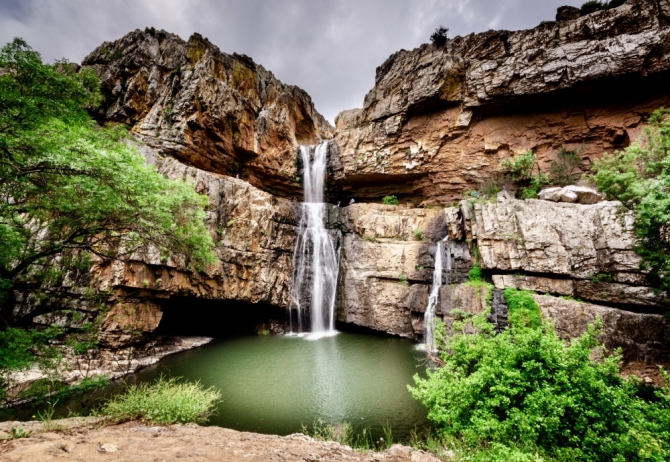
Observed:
{"x":328,"y":47}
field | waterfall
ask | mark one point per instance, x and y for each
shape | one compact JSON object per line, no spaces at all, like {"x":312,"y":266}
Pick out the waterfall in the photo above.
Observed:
{"x":429,"y":315}
{"x":316,"y":259}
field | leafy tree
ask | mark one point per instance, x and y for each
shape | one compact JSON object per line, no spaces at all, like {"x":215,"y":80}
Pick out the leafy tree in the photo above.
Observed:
{"x":525,"y":394}
{"x":639,"y":177}
{"x":70,"y":189}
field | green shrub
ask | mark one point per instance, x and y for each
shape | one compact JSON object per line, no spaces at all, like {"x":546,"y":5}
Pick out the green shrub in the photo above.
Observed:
{"x":520,"y":167}
{"x":594,"y":5}
{"x":475,"y":274}
{"x":418,"y":235}
{"x":402,"y":279}
{"x":562,"y":168}
{"x":164,"y":402}
{"x":602,"y":277}
{"x":525,"y":394}
{"x":390,"y":200}
{"x":537,"y":182}
{"x":523,"y":310}
{"x":639,"y":177}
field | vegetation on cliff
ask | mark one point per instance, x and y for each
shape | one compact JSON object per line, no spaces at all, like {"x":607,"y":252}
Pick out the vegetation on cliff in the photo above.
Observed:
{"x":639,"y":177}
{"x":72,"y":192}
{"x":525,"y":394}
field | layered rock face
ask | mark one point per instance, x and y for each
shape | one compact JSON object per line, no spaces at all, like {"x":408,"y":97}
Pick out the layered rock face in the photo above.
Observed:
{"x":437,"y":122}
{"x":221,"y":113}
{"x":440,"y":120}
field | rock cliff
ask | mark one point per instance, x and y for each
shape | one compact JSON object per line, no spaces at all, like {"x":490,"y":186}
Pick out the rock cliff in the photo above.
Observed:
{"x":221,"y":113}
{"x":440,"y":120}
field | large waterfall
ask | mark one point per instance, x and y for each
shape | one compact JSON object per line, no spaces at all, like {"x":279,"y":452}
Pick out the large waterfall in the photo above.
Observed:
{"x":429,"y":315}
{"x":316,"y":260}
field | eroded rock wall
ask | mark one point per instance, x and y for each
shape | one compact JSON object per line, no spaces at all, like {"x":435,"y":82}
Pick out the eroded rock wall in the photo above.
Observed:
{"x":219,"y":112}
{"x":440,"y":120}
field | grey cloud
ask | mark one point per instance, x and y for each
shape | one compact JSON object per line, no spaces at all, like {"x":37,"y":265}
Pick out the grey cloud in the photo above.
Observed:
{"x":328,"y":47}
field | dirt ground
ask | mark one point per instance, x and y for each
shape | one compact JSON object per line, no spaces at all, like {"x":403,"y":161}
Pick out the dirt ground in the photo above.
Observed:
{"x":83,"y":439}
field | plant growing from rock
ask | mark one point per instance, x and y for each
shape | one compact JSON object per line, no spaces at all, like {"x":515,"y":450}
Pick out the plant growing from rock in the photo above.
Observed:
{"x":418,"y":234}
{"x":439,"y":37}
{"x":639,"y":177}
{"x":390,"y":200}
{"x":562,"y":168}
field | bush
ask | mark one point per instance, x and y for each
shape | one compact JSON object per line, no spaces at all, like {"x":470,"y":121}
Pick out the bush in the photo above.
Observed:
{"x":164,"y":402}
{"x":639,"y":177}
{"x":537,"y":182}
{"x":390,"y":200}
{"x":523,"y":310}
{"x":525,"y":394}
{"x":439,"y":37}
{"x":519,"y":168}
{"x":475,"y":274}
{"x":562,"y":168}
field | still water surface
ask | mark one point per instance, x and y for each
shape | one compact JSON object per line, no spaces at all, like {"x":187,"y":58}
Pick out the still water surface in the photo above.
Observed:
{"x":276,"y":384}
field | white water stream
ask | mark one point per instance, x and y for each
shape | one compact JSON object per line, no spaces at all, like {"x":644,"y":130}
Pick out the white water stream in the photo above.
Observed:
{"x":316,"y":259}
{"x":429,"y":315}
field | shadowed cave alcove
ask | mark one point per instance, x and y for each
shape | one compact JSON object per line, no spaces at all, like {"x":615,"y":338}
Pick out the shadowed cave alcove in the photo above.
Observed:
{"x":215,"y":318}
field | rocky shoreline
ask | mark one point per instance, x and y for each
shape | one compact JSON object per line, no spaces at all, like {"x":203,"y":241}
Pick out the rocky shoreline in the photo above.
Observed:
{"x":90,"y":439}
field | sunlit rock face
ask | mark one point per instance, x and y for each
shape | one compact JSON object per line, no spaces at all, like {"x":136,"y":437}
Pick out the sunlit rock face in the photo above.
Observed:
{"x":219,"y":112}
{"x":439,"y":120}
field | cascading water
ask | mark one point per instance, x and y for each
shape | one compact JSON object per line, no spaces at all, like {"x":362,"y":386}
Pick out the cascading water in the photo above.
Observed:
{"x":429,"y":315}
{"x":316,"y":259}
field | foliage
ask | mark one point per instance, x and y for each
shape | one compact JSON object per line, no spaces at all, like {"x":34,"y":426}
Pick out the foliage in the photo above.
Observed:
{"x":18,"y":432}
{"x":402,"y":279}
{"x":639,"y":177}
{"x":525,"y":394}
{"x":390,"y":200}
{"x":537,"y":182}
{"x":523,"y":310}
{"x":165,"y":401}
{"x":476,"y":274}
{"x":70,"y":188}
{"x":21,"y":348}
{"x":601,"y":277}
{"x":344,"y":433}
{"x":562,"y":168}
{"x":369,"y":238}
{"x":520,"y":167}
{"x":594,"y":5}
{"x":418,"y":234}
{"x":439,"y":37}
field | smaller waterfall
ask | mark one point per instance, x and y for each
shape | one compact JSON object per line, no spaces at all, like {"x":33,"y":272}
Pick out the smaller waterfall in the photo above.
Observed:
{"x":429,"y":315}
{"x":316,"y":259}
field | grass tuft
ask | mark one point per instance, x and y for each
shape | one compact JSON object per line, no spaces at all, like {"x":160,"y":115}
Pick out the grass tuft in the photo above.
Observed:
{"x":163,"y":402}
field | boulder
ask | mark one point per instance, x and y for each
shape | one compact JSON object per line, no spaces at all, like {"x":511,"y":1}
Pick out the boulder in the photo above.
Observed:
{"x":572,"y":194}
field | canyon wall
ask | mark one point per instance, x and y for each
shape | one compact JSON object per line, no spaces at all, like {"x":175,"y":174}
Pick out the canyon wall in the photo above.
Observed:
{"x":440,"y":120}
{"x":437,"y":122}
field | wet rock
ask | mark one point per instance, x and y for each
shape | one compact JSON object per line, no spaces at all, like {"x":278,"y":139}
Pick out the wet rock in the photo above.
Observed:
{"x":499,"y":311}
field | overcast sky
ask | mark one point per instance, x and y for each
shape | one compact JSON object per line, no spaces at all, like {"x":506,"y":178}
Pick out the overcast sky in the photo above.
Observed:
{"x":330,"y":48}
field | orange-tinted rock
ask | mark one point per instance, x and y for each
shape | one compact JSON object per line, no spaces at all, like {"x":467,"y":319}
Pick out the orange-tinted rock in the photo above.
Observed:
{"x":221,"y":113}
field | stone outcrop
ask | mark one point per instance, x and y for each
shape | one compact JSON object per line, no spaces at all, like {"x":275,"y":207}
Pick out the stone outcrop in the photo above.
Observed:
{"x":440,"y":120}
{"x":221,"y":113}
{"x":87,"y":438}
